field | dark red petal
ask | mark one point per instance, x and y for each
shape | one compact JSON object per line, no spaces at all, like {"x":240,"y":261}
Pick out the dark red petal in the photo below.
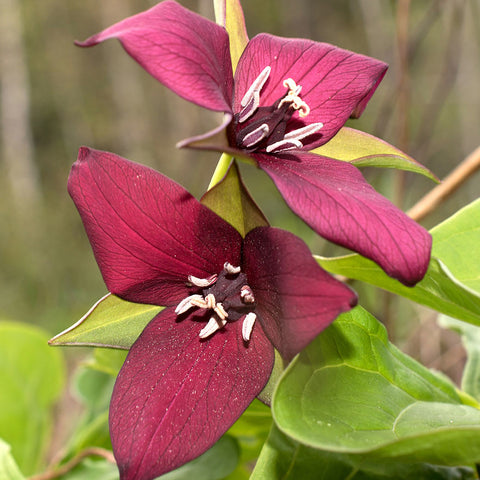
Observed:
{"x":336,"y":201}
{"x":184,"y":51}
{"x":336,"y":83}
{"x":296,"y":299}
{"x":177,"y":394}
{"x":147,"y":232}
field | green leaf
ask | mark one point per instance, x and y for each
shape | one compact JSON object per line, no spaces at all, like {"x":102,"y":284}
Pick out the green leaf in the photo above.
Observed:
{"x":8,"y":468}
{"x":353,"y":392}
{"x":93,"y":469}
{"x":457,"y":243}
{"x":111,"y":322}
{"x":287,"y":459}
{"x":364,"y":150}
{"x":214,"y":464}
{"x":31,"y":380}
{"x":107,"y":360}
{"x":471,"y":341}
{"x":230,"y":200}
{"x":438,"y":290}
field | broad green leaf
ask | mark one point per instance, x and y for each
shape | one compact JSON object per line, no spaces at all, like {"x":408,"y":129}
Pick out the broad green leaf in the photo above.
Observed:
{"x":107,"y":360}
{"x":93,"y":469}
{"x":438,"y":290}
{"x":230,"y":200}
{"x":283,"y":457}
{"x":229,"y":14}
{"x":111,"y":322}
{"x":8,"y":468}
{"x":471,"y":341}
{"x":364,"y":150}
{"x":457,"y":243}
{"x":353,"y":392}
{"x":31,"y":380}
{"x":214,"y":464}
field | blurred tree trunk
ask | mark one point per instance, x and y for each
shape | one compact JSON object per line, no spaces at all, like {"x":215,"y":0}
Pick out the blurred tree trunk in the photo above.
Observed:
{"x":16,"y":134}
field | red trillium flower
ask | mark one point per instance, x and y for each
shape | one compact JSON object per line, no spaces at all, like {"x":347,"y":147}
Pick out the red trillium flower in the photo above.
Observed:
{"x":230,"y":301}
{"x":288,"y":96}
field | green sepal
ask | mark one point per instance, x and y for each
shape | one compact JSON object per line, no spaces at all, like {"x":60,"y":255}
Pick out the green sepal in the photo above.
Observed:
{"x":231,"y":200}
{"x":111,"y":322}
{"x":364,"y":150}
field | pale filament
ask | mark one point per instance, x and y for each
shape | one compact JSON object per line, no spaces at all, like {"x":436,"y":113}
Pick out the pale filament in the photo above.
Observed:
{"x":293,"y":97}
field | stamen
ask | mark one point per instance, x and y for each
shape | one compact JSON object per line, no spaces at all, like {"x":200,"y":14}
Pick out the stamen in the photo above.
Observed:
{"x":247,"y":325}
{"x":292,"y":139}
{"x":202,"y":282}
{"x":246,"y":294}
{"x":210,"y":301}
{"x":256,"y":136}
{"x":187,"y":303}
{"x":220,"y":311}
{"x":251,"y":99}
{"x":211,"y":327}
{"x":230,"y":269}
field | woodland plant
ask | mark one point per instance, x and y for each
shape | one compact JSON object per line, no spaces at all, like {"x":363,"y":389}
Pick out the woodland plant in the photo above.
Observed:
{"x":217,"y":308}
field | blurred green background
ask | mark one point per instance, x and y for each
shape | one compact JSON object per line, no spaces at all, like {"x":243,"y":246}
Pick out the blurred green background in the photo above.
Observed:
{"x":55,"y":97}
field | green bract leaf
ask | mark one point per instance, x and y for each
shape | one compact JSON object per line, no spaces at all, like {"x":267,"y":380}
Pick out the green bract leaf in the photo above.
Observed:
{"x":111,"y":322}
{"x":471,"y":341}
{"x":438,"y":290}
{"x":364,"y":150}
{"x":283,"y":457}
{"x":353,"y":392}
{"x":93,"y":469}
{"x":457,"y":243}
{"x":8,"y":468}
{"x":230,"y":200}
{"x":31,"y":379}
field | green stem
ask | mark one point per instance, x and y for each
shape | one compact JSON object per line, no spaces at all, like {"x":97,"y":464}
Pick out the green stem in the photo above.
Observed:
{"x":221,"y":169}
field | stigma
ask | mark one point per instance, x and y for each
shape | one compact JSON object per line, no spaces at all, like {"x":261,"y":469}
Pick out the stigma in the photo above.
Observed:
{"x":266,"y":127}
{"x":226,"y":296}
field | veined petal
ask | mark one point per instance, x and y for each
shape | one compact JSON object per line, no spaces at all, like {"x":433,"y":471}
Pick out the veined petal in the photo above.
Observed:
{"x":176,"y":394}
{"x":296,"y":299}
{"x":336,"y":83}
{"x":186,"y":52}
{"x":336,"y":201}
{"x":147,"y":232}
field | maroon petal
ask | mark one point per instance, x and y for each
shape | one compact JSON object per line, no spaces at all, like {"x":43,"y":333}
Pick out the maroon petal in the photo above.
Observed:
{"x":184,"y":51}
{"x":177,"y":394}
{"x":336,"y":83}
{"x":335,"y":200}
{"x":295,"y":298}
{"x":147,"y":232}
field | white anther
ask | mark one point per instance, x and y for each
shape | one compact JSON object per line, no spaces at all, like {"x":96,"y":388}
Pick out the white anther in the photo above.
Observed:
{"x":210,"y":301}
{"x":211,"y":327}
{"x":256,"y":136}
{"x":247,"y":325}
{"x":230,"y":269}
{"x":292,"y":139}
{"x":251,"y":99}
{"x":220,"y":311}
{"x":187,"y":303}
{"x":202,"y":282}
{"x":246,"y":294}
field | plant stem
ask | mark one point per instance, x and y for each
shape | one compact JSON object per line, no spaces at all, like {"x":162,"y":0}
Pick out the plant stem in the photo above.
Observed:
{"x":71,"y":464}
{"x":457,"y":177}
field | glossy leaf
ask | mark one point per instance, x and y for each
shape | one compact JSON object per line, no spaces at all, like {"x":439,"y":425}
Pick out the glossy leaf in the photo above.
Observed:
{"x":111,"y":322}
{"x":287,"y":459}
{"x":240,"y":211}
{"x":438,"y":290}
{"x":364,"y":150}
{"x":31,"y":379}
{"x":471,"y":340}
{"x":8,"y":468}
{"x":353,"y":392}
{"x":457,"y":243}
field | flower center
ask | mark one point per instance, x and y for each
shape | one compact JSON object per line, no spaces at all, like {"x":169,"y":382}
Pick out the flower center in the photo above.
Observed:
{"x":258,"y":128}
{"x":228,"y":297}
